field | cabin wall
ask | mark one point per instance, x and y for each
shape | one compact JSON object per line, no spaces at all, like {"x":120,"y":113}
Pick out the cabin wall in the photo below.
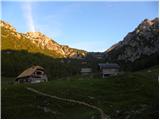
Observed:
{"x":109,"y":71}
{"x":42,"y":78}
{"x":86,"y":71}
{"x":33,"y":79}
{"x":23,"y":80}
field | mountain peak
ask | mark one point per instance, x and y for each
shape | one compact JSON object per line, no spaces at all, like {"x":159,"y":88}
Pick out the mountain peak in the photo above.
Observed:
{"x":148,"y":22}
{"x":7,"y":26}
{"x":37,"y":35}
{"x":143,"y":41}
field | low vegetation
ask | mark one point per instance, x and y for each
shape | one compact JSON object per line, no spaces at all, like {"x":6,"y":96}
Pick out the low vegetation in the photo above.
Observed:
{"x":131,"y":95}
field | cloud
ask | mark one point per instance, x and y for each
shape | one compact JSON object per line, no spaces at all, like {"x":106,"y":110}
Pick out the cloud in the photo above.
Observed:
{"x":27,"y":9}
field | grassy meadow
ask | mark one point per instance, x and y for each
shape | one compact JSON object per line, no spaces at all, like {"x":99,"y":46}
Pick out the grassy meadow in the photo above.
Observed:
{"x":130,"y":95}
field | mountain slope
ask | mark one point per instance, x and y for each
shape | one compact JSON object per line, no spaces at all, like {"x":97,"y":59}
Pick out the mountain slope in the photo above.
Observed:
{"x":141,"y":45}
{"x":35,"y":42}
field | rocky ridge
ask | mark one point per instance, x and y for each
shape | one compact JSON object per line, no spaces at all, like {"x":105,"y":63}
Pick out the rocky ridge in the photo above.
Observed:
{"x":144,"y":40}
{"x":42,"y":41}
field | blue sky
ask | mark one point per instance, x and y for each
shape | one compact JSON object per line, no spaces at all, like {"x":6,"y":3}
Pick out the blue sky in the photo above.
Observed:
{"x":92,"y":26}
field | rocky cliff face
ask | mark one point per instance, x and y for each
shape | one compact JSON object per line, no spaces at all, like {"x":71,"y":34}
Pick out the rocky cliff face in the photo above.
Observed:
{"x":44,"y":42}
{"x":143,"y":41}
{"x":7,"y":26}
{"x":39,"y":40}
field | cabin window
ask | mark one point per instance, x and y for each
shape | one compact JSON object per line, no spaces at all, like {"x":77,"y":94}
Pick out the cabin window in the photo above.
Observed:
{"x":39,"y":73}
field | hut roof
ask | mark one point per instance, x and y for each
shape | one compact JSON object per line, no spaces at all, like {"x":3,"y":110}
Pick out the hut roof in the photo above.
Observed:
{"x":109,"y":66}
{"x":29,"y":71}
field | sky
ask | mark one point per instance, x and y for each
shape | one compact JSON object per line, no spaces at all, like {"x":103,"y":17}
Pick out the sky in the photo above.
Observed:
{"x":92,"y":26}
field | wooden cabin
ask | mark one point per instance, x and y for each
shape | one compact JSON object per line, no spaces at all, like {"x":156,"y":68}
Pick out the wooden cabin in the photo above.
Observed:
{"x":34,"y":74}
{"x":107,"y":69}
{"x":86,"y":71}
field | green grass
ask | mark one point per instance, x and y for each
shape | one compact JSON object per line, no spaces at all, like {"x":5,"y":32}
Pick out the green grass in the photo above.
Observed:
{"x":132,"y":95}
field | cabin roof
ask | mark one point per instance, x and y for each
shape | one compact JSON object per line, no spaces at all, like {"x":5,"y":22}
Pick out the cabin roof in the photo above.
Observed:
{"x":108,"y":65}
{"x":29,"y":71}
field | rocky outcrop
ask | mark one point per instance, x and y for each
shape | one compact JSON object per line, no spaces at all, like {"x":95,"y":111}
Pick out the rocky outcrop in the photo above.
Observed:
{"x":47,"y":43}
{"x":44,"y":42}
{"x":143,"y":41}
{"x":7,"y":26}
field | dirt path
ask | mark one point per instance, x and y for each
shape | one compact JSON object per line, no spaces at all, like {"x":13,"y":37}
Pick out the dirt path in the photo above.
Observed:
{"x":103,"y":115}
